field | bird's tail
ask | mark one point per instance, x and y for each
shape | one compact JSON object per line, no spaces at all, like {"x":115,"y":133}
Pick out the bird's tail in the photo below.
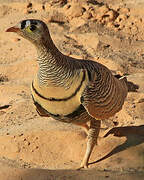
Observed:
{"x":130,"y":85}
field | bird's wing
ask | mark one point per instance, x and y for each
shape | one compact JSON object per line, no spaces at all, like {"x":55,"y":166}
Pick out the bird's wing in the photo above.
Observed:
{"x":104,"y":95}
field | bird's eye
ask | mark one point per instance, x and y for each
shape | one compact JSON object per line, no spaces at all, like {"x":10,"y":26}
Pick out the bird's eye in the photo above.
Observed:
{"x":32,"y":27}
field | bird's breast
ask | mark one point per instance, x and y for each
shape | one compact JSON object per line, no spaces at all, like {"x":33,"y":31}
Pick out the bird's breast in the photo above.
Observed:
{"x":58,"y":100}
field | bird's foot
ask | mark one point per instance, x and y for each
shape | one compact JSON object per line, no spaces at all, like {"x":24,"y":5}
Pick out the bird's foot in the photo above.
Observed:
{"x":83,"y":165}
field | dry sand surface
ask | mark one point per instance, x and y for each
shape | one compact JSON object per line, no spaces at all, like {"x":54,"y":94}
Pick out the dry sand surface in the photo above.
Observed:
{"x":36,"y":148}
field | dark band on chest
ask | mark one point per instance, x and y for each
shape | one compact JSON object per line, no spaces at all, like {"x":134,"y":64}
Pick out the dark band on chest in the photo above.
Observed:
{"x":45,"y":113}
{"x":63,"y":99}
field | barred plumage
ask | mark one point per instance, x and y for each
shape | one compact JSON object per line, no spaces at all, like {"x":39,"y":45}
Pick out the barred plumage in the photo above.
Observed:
{"x":71,"y":90}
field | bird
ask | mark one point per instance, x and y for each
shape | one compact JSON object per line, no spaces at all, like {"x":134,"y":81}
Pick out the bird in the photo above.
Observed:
{"x":77,"y":91}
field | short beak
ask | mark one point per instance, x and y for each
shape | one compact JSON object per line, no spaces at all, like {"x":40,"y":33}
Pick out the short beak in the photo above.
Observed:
{"x":13,"y":29}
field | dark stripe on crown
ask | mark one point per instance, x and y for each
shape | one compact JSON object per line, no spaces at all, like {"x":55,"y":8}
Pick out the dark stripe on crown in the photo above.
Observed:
{"x":23,"y":23}
{"x":32,"y":22}
{"x":63,"y":99}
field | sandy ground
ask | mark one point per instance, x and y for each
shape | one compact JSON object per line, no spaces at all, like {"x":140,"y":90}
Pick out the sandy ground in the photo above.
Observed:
{"x":36,"y":148}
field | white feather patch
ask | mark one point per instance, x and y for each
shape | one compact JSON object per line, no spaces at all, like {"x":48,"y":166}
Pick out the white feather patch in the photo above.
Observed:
{"x":28,"y":23}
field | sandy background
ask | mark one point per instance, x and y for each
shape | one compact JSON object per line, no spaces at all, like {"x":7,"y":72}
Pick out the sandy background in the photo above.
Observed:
{"x":36,"y":148}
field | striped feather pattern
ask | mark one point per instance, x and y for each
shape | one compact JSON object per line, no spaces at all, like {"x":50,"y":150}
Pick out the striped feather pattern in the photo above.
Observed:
{"x":71,"y":90}
{"x":103,"y":94}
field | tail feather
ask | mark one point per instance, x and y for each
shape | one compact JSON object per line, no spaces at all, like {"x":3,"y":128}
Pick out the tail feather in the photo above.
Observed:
{"x":130,"y":85}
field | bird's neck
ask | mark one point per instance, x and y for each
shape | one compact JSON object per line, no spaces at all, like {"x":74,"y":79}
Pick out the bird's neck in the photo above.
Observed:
{"x":48,"y":53}
{"x":52,"y":63}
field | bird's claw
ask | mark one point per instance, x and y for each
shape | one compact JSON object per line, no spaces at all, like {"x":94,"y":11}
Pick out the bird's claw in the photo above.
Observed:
{"x":83,"y":166}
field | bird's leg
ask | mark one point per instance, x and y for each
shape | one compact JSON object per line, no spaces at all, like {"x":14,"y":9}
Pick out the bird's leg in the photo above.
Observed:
{"x":85,"y":126}
{"x":92,"y":140}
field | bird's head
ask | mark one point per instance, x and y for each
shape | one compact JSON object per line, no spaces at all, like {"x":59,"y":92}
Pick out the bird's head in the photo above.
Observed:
{"x":32,"y":29}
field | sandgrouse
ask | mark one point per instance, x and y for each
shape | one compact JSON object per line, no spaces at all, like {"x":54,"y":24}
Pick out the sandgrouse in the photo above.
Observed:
{"x":71,"y":90}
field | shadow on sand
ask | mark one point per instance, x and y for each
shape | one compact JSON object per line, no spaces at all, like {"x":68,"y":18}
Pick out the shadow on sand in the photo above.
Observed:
{"x":46,"y":174}
{"x":134,"y":136}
